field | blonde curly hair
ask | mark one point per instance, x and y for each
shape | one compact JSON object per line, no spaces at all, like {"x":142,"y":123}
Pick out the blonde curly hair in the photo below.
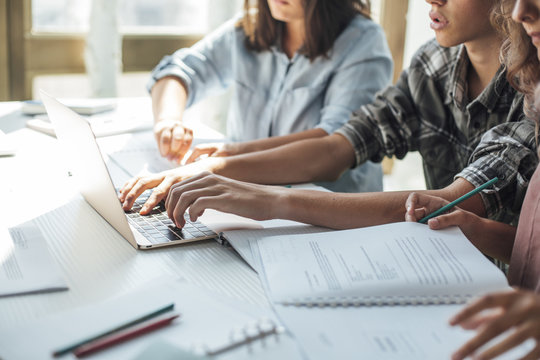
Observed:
{"x":518,"y":54}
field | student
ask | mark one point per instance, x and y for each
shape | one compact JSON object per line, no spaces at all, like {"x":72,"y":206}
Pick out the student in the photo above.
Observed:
{"x":298,"y":69}
{"x":518,"y":311}
{"x":454,"y":91}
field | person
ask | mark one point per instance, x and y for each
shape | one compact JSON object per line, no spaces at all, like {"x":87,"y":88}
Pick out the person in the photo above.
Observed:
{"x":298,"y":68}
{"x":454,"y":91}
{"x":519,"y":310}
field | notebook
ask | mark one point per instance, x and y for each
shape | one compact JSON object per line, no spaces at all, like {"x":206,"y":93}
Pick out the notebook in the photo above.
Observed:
{"x":381,"y":332}
{"x":89,"y":169}
{"x":83,"y":107}
{"x":394,"y":264}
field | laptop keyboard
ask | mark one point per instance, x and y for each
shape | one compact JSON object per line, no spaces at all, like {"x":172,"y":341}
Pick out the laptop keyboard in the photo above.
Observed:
{"x":158,"y":228}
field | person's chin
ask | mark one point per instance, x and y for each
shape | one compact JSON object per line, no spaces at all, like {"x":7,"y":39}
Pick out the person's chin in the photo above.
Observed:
{"x":445,"y":41}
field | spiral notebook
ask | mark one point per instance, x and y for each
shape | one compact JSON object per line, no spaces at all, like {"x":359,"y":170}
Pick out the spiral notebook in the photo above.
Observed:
{"x":393,"y":264}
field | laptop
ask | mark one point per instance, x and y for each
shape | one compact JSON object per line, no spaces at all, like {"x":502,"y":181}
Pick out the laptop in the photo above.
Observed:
{"x":90,"y":171}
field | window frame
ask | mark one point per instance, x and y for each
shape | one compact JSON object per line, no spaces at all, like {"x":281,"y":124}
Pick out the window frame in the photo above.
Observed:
{"x":25,"y":54}
{"x":394,"y":22}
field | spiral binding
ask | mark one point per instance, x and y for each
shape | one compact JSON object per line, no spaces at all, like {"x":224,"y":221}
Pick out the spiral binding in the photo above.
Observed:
{"x":378,"y":301}
{"x":246,"y":336}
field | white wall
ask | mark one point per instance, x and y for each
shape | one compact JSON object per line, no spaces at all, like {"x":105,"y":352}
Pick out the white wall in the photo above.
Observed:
{"x":418,"y":30}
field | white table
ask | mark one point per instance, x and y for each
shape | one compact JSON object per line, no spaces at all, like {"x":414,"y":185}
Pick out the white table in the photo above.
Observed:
{"x":96,"y":261}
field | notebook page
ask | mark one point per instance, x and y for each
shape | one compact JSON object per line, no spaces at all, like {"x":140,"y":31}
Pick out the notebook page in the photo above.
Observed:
{"x":382,"y":333}
{"x":394,"y":263}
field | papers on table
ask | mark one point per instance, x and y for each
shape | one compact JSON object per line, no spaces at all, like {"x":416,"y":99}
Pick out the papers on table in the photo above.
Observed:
{"x":26,"y":266}
{"x":7,"y":148}
{"x":382,"y":333}
{"x":349,"y":278}
{"x":206,"y":322}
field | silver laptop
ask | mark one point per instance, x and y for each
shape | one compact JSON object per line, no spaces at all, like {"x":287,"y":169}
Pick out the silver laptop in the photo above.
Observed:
{"x":89,"y":169}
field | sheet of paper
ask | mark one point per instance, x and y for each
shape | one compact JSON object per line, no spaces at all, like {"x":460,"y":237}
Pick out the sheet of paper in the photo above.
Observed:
{"x":398,"y":262}
{"x":7,"y":148}
{"x":241,"y":239}
{"x":26,"y":266}
{"x":382,"y":333}
{"x":205,"y":321}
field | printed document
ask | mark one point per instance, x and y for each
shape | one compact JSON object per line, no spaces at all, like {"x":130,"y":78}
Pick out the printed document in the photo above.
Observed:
{"x":395,"y":263}
{"x":26,"y":265}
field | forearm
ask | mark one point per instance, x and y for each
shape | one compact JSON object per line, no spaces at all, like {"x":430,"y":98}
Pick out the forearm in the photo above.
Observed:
{"x":169,"y":97}
{"x":319,"y":159}
{"x":494,"y":239}
{"x":276,"y":141}
{"x":345,"y":211}
{"x":341,"y":210}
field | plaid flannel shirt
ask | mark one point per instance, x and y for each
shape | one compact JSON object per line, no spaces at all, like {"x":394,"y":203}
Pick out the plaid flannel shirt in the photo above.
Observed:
{"x":428,"y":111}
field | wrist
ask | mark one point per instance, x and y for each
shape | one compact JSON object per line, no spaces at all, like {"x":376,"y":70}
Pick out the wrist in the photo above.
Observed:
{"x":171,"y":119}
{"x":281,"y":203}
{"x":235,"y":148}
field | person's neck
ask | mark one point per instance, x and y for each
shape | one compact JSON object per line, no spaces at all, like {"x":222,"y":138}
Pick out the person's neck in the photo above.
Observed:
{"x":294,"y":37}
{"x":484,"y":57}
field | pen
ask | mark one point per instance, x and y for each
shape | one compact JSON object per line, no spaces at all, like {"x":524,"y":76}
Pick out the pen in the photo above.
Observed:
{"x":458,"y":200}
{"x":136,"y":321}
{"x":116,"y":338}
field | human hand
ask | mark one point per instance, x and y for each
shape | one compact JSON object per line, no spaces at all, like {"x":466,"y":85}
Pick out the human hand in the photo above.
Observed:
{"x":173,"y":139}
{"x":419,"y":205}
{"x":212,"y":149}
{"x":134,"y":187}
{"x":161,"y":183}
{"x":494,"y":314}
{"x":210,"y":191}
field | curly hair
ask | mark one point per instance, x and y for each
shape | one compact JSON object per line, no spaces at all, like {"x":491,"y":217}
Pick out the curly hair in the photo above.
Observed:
{"x":324,"y":19}
{"x":518,"y":54}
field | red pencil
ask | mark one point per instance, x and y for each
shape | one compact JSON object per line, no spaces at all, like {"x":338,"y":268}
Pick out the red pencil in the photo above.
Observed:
{"x":122,"y":336}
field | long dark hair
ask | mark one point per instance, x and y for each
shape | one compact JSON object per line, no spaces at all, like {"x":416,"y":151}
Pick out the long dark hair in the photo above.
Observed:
{"x":324,"y":19}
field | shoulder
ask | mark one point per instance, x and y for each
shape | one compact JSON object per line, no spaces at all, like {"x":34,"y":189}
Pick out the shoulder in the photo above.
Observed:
{"x":361,"y":28}
{"x":362,"y":37}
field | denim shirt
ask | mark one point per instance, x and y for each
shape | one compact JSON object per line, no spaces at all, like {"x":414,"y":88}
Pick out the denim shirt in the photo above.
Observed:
{"x":274,"y":95}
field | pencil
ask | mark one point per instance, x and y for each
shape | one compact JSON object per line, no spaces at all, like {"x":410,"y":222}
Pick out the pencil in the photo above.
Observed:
{"x":136,"y":321}
{"x":118,"y":337}
{"x":458,"y":200}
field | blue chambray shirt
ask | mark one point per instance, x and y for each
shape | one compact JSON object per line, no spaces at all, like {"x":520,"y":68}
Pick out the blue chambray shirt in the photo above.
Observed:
{"x":274,"y":95}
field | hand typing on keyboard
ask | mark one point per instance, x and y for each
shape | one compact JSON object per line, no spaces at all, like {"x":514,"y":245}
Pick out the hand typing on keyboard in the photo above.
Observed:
{"x":157,"y":228}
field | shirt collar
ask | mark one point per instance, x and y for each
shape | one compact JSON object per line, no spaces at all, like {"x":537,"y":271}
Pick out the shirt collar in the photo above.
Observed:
{"x":277,"y":48}
{"x":458,"y":89}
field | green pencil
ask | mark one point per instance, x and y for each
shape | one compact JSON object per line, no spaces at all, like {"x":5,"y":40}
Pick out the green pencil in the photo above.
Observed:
{"x":458,"y":200}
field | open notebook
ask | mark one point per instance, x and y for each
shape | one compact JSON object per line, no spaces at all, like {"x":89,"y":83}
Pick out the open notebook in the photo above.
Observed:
{"x":394,"y":264}
{"x":384,"y":292}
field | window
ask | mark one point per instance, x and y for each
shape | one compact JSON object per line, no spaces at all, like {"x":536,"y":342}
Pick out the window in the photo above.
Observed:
{"x":45,"y":39}
{"x":135,"y":16}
